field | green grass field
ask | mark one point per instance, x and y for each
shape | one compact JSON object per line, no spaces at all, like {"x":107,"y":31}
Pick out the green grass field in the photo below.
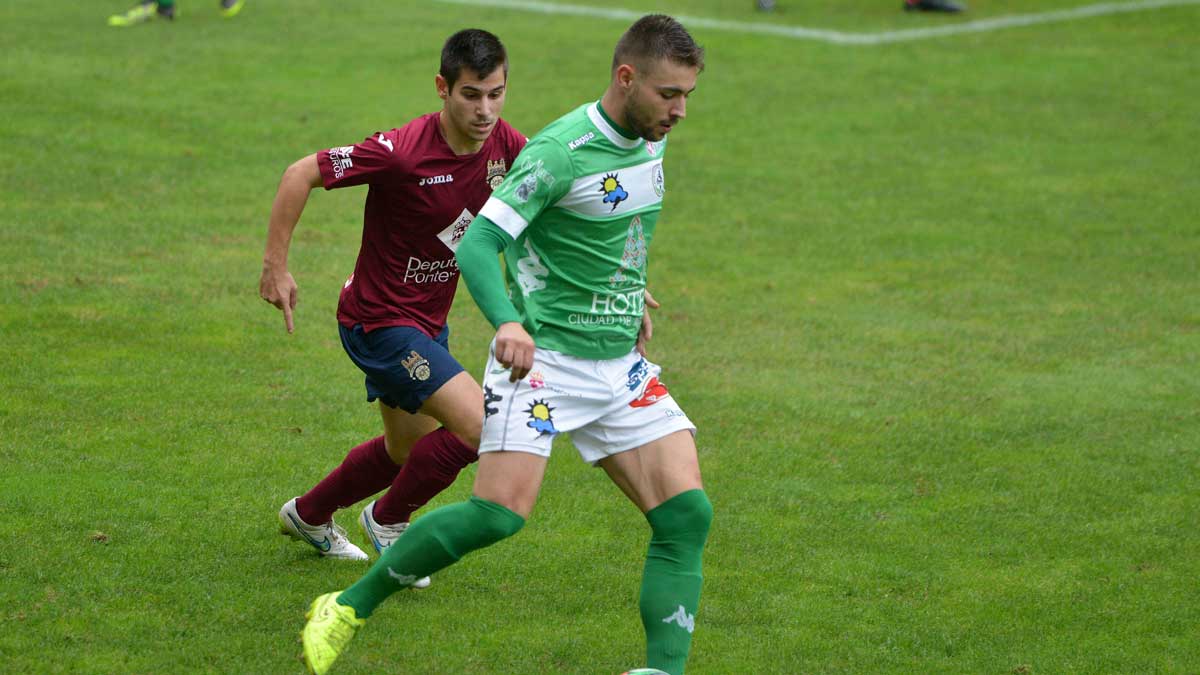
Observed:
{"x":934,"y":306}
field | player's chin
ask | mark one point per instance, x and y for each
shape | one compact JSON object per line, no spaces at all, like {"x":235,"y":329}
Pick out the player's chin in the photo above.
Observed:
{"x":480,"y":132}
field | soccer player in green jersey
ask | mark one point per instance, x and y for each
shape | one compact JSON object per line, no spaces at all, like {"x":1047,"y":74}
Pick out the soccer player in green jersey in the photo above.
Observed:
{"x":574,"y":218}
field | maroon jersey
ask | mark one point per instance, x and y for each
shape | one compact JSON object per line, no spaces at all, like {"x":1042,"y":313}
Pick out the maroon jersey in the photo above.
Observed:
{"x":421,"y":199}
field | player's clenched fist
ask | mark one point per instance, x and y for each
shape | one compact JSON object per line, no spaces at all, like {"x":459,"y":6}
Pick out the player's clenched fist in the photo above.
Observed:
{"x":514,"y":349}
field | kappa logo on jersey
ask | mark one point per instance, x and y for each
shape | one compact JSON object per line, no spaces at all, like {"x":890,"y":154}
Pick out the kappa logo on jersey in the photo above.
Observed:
{"x":339,"y":158}
{"x":582,"y":140}
{"x":613,"y":192}
{"x":436,"y":180}
{"x":496,"y":170}
{"x":540,"y":418}
{"x":385,"y":143}
{"x":655,"y":392}
{"x":417,"y":366}
{"x":531,"y":273}
{"x":637,"y":374}
{"x":490,"y":397}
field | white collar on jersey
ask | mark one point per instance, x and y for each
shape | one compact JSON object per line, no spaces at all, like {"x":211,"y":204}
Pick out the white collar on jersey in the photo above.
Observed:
{"x":607,"y":129}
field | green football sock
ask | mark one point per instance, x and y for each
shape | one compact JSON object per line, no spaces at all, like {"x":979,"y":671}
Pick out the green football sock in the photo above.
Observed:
{"x":165,"y":4}
{"x":672,"y":577}
{"x":431,"y":543}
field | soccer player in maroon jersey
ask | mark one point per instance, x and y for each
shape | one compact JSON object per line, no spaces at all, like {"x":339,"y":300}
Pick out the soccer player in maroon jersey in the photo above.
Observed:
{"x":427,"y":181}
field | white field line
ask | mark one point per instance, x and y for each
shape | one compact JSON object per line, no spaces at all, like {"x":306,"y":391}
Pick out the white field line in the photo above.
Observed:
{"x":838,"y":37}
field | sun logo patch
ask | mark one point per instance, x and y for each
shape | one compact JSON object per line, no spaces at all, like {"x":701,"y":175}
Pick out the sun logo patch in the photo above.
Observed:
{"x":613,"y":192}
{"x":540,"y":418}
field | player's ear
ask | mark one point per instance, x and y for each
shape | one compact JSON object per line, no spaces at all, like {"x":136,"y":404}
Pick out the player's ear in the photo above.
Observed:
{"x":625,"y":75}
{"x":443,"y":87}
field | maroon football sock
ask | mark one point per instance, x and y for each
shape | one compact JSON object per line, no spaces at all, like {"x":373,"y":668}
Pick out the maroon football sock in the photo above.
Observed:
{"x":366,"y":470}
{"x":432,"y":466}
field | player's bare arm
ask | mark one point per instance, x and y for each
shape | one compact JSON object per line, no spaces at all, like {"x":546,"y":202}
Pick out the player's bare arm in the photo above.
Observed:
{"x":276,"y":284}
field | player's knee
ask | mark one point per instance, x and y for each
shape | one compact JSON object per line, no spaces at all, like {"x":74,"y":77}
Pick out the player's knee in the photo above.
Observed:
{"x":468,"y":430}
{"x":684,"y":518}
{"x":495,"y":522}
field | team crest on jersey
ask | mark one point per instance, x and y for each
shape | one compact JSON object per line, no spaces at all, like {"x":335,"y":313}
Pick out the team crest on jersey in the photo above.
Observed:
{"x":541,"y":419}
{"x":496,"y":170}
{"x":613,"y":192}
{"x":417,"y":366}
{"x":656,"y":177}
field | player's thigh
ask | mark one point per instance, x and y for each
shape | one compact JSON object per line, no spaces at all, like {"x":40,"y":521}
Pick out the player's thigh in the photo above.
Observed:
{"x":510,"y":479}
{"x":458,"y":405}
{"x":652,"y":473}
{"x":402,"y":429}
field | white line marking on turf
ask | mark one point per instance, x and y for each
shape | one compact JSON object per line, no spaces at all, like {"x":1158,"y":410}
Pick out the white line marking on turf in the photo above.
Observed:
{"x":838,"y":37}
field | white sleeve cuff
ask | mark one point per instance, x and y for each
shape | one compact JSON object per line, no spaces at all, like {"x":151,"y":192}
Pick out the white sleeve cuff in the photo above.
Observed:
{"x":504,"y":216}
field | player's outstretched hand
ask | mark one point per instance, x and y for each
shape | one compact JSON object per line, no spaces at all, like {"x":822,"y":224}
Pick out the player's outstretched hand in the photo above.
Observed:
{"x":279,"y":289}
{"x":514,"y":349}
{"x":647,"y":330}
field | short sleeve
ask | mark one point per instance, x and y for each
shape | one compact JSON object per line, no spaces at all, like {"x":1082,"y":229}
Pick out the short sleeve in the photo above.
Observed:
{"x":366,"y":162}
{"x":542,"y":176}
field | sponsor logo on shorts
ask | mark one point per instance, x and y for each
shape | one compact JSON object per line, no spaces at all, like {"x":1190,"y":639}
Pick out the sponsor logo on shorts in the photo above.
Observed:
{"x":541,"y":419}
{"x":490,"y":397}
{"x":496,"y":170}
{"x":655,"y":392}
{"x":339,"y":158}
{"x":537,"y":380}
{"x":671,"y":412}
{"x":637,"y":374}
{"x":417,"y":366}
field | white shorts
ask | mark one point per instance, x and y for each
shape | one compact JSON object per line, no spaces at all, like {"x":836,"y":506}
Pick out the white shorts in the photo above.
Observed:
{"x":606,"y":406}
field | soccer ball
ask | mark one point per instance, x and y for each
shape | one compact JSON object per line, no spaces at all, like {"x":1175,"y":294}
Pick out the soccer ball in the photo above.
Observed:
{"x":644,"y":671}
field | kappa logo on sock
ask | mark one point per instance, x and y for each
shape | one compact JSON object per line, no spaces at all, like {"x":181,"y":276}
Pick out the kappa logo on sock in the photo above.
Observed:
{"x":686,"y":621}
{"x":408,"y":579}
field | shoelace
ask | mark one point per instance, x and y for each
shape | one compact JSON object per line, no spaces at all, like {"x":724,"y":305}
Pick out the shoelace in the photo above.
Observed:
{"x":335,"y":532}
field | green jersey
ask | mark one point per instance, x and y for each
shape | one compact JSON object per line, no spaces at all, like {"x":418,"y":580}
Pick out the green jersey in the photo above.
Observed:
{"x":580,"y":204}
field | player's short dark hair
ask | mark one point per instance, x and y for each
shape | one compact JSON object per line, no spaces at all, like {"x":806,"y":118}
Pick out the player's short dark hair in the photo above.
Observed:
{"x":655,"y":37}
{"x":472,"y":48}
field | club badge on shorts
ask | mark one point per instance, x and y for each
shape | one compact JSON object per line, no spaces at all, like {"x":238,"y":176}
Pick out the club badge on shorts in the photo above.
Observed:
{"x":417,"y":366}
